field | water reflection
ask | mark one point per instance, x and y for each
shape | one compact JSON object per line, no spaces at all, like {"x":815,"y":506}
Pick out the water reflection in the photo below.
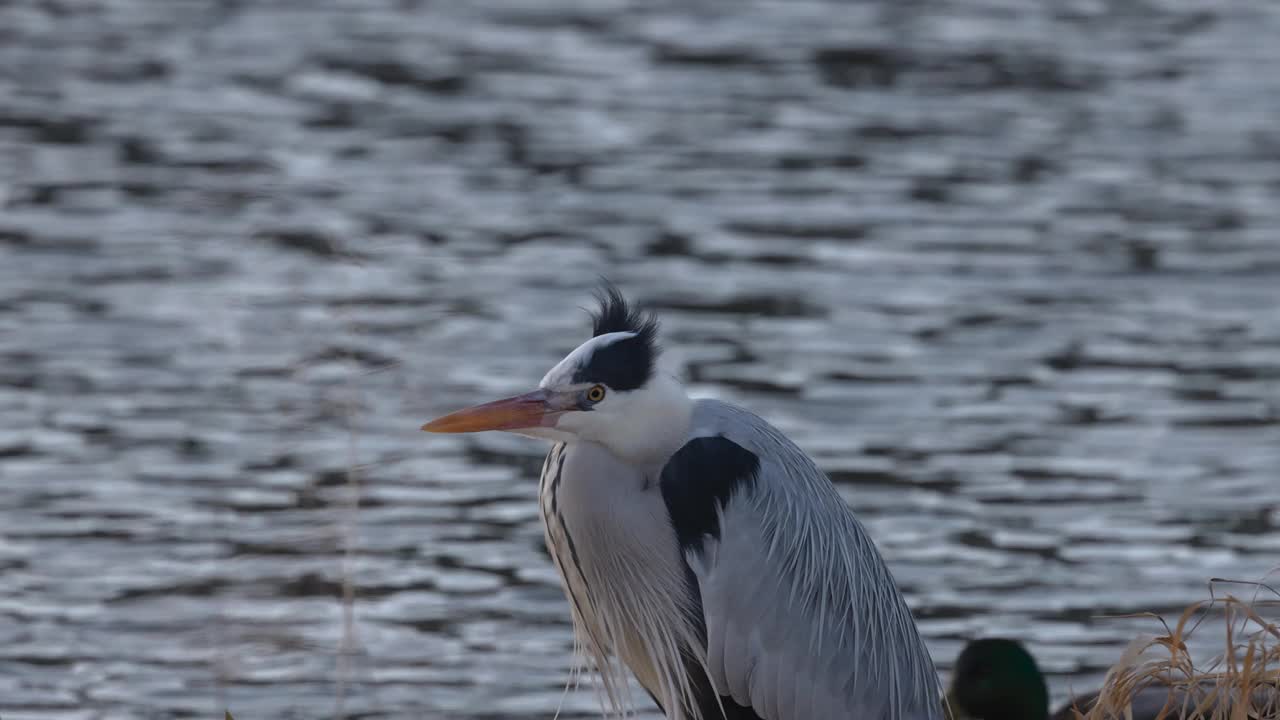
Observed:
{"x":1012,"y":283}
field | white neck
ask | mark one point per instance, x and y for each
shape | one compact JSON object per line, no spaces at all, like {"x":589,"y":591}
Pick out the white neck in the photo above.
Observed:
{"x":657,"y":423}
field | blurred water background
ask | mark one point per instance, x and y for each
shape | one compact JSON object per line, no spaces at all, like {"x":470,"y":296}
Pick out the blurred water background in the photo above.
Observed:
{"x":1009,"y":270}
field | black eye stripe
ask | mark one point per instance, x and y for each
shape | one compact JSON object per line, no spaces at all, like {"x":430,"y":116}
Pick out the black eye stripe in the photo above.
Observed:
{"x":622,"y":365}
{"x":625,"y":364}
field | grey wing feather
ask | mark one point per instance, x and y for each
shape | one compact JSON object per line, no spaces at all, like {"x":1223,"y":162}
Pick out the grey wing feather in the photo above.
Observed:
{"x":790,"y":548}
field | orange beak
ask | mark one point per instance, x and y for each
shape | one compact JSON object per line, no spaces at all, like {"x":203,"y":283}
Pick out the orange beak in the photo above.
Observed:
{"x":532,"y":409}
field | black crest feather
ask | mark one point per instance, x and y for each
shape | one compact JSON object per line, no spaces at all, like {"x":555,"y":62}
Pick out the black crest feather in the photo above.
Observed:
{"x":615,"y":314}
{"x":626,"y":364}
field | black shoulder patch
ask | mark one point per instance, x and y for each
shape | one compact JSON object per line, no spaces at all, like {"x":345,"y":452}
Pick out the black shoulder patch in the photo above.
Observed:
{"x":696,"y":482}
{"x":699,"y":479}
{"x":628,"y":363}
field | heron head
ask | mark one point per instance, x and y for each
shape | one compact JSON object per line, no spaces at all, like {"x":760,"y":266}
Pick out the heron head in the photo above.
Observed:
{"x":997,"y":679}
{"x":608,"y":391}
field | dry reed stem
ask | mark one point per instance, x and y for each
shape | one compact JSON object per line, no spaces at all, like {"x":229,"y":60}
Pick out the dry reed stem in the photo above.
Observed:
{"x":1242,"y":683}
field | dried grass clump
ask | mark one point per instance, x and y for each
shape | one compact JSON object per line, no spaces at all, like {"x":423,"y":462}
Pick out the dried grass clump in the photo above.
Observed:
{"x":1157,"y":677}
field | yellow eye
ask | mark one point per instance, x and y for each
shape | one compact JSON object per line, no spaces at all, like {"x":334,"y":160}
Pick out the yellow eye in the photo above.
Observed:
{"x":596,"y":393}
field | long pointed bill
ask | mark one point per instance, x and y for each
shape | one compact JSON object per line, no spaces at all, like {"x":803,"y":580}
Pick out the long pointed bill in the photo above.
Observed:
{"x":522,"y":411}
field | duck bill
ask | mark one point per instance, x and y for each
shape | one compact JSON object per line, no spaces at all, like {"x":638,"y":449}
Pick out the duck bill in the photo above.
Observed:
{"x":533,"y":409}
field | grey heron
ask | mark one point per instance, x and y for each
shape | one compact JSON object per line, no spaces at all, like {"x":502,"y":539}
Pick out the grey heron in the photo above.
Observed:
{"x":700,"y":548}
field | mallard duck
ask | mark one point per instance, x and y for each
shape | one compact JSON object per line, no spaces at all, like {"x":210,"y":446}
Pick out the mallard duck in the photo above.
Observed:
{"x":997,"y":679}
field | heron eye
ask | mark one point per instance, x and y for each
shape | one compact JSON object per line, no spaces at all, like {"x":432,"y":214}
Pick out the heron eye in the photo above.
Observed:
{"x":596,"y":393}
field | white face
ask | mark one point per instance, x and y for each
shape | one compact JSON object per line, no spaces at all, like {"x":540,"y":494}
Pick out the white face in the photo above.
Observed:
{"x":632,"y":423}
{"x":643,"y":421}
{"x":591,"y":407}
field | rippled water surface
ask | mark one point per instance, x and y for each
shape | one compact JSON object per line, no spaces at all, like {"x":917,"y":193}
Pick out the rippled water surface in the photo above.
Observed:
{"x":1010,"y":271}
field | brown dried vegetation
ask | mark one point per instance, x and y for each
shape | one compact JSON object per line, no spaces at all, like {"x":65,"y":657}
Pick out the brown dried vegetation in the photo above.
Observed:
{"x":1241,"y":683}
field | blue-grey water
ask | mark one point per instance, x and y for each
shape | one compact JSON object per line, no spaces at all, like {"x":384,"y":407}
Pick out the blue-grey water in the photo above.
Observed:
{"x":1010,"y":271}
